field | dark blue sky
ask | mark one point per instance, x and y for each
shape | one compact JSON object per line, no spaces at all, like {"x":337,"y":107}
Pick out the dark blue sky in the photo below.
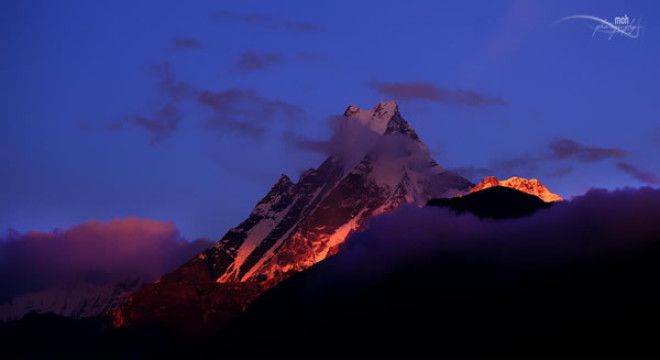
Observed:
{"x":185,"y":112}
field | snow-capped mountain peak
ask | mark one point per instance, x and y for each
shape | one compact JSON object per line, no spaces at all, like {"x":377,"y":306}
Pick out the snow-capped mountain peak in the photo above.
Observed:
{"x":299,"y":224}
{"x":377,"y":119}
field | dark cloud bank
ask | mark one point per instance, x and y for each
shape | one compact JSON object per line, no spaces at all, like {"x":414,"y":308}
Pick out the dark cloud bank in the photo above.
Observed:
{"x":596,"y":224}
{"x":578,"y":278}
{"x":96,"y":252}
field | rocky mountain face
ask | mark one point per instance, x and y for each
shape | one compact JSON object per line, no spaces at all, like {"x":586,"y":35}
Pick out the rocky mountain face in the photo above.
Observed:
{"x":529,"y":186}
{"x":381,"y":165}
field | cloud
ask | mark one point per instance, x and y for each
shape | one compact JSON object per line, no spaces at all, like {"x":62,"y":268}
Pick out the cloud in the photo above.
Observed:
{"x":164,"y":122}
{"x":169,"y":87}
{"x":558,"y":150}
{"x":301,"y":142}
{"x":270,"y":22}
{"x":165,"y":119}
{"x":245,"y":112}
{"x":251,"y":61}
{"x":410,"y":91}
{"x":186,"y":44}
{"x":567,"y":148}
{"x":94,"y":251}
{"x":344,"y":134}
{"x":238,"y":111}
{"x":349,"y":139}
{"x":641,"y":175}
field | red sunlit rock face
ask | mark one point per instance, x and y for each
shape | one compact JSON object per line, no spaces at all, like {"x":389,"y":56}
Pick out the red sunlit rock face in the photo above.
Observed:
{"x":529,"y":186}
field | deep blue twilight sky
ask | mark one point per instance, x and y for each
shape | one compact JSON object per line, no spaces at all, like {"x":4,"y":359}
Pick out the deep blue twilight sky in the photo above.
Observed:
{"x":186,"y":111}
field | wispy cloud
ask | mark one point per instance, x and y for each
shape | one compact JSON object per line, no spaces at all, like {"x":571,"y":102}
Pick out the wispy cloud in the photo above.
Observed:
{"x":167,"y":83}
{"x":165,"y":119}
{"x":558,"y":152}
{"x":272,"y":22}
{"x":186,"y":44}
{"x":566,"y":148}
{"x":641,"y":175}
{"x":238,"y":111}
{"x":251,"y":61}
{"x":304,"y":143}
{"x":410,"y":91}
{"x":164,"y":122}
{"x":245,"y":112}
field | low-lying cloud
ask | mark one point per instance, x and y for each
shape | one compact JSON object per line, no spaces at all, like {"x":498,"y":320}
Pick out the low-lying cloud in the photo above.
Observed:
{"x":94,"y":251}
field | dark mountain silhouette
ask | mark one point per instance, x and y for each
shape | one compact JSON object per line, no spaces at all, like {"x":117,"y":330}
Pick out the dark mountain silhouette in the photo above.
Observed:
{"x":497,"y":202}
{"x":528,"y":186}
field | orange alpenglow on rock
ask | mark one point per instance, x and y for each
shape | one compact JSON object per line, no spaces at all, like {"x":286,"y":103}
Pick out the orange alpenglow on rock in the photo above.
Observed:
{"x":529,"y":186}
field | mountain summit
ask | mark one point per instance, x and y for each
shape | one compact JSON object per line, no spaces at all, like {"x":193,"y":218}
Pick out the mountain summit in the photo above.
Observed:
{"x":529,"y":186}
{"x":381,"y":166}
{"x":383,"y":119}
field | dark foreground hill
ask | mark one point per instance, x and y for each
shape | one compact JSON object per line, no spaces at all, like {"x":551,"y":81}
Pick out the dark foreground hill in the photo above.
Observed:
{"x":496,"y":202}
